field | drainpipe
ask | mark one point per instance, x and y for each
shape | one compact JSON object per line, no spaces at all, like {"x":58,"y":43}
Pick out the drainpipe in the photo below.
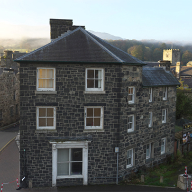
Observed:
{"x":117,"y":151}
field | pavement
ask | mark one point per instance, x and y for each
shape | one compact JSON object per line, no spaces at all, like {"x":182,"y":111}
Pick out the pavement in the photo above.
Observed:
{"x":9,"y":172}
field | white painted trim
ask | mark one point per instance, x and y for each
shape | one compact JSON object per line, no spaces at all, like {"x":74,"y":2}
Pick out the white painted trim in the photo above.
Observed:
{"x":101,"y":118}
{"x":70,"y":144}
{"x":133,"y":123}
{"x":37,"y":118}
{"x":133,"y":95}
{"x":100,"y":90}
{"x":150,"y":94}
{"x":37,"y":81}
{"x":164,"y":115}
{"x":165,"y":94}
{"x":150,"y":119}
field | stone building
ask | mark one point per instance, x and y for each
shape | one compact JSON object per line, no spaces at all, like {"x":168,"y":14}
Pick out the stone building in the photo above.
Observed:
{"x":172,"y":55}
{"x":80,"y":98}
{"x":9,"y":88}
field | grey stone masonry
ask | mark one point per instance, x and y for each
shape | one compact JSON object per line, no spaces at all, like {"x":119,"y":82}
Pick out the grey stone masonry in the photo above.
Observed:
{"x":60,"y":26}
{"x":70,"y":99}
{"x":9,"y":94}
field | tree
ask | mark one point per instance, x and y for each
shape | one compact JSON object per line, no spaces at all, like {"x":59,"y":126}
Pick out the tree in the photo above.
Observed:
{"x":157,"y":54}
{"x":136,"y":51}
{"x":183,"y":105}
{"x":186,"y":57}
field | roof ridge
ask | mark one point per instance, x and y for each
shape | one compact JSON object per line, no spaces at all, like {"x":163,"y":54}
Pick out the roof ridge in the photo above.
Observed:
{"x":138,"y":60}
{"x":112,"y":54}
{"x":52,"y":42}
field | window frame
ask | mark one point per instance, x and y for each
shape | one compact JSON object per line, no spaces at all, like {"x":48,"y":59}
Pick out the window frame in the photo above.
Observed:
{"x":70,"y":144}
{"x":150,"y":152}
{"x":165,"y":93}
{"x":164,"y":116}
{"x":101,"y":118}
{"x":54,"y":79}
{"x":164,"y":146}
{"x":133,"y":123}
{"x":102,"y":80}
{"x":131,"y":164}
{"x":150,"y":119}
{"x":150,"y":94}
{"x":133,"y":95}
{"x":69,"y":162}
{"x":37,"y":118}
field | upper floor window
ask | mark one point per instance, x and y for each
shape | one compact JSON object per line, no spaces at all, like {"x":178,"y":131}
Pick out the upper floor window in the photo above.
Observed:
{"x":150,"y":94}
{"x":150,"y":119}
{"x":93,"y":117}
{"x":129,"y":158}
{"x":164,"y":93}
{"x":94,"y":80}
{"x":164,"y":115}
{"x":131,"y":95}
{"x":45,"y":79}
{"x":46,"y":118}
{"x":163,"y":140}
{"x":130,"y":123}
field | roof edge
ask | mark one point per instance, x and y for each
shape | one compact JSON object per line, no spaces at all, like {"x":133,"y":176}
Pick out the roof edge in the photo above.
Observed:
{"x":77,"y":62}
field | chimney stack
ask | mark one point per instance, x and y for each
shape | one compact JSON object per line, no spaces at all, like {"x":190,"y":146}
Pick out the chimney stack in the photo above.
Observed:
{"x":165,"y":64}
{"x":61,"y":26}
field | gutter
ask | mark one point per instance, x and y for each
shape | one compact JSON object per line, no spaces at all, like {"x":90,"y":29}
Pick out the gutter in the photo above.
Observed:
{"x":76,"y":62}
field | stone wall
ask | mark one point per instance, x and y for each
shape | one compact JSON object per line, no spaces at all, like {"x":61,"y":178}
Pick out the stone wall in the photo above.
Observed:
{"x":9,"y":94}
{"x":70,"y":101}
{"x":172,"y":55}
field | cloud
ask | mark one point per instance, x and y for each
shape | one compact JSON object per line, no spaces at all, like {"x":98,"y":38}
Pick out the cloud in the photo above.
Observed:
{"x":9,"y":30}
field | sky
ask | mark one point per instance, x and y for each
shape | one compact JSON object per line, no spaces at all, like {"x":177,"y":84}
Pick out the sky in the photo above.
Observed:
{"x":165,"y":20}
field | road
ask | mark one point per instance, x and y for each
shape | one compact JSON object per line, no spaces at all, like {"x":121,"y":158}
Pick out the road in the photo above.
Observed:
{"x":7,"y":135}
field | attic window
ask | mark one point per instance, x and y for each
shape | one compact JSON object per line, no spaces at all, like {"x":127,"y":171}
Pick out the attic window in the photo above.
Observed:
{"x":94,"y":79}
{"x":45,"y":79}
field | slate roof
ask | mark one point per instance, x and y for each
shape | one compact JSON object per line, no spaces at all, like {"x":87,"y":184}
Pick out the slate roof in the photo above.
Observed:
{"x":185,"y":70}
{"x":79,"y":46}
{"x":156,"y":77}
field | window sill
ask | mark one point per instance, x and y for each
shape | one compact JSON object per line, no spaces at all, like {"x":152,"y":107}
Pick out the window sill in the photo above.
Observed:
{"x":94,"y":92}
{"x":93,"y":130}
{"x":46,"y":131}
{"x":69,"y":176}
{"x":129,"y":166}
{"x":45,"y":92}
{"x":130,"y":131}
{"x":131,"y":103}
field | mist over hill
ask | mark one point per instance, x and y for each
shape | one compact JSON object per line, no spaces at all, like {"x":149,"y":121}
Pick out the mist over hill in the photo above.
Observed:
{"x":146,"y":50}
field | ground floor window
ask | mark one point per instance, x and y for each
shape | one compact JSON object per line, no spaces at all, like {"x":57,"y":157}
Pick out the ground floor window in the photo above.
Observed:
{"x":129,"y":158}
{"x":163,"y":140}
{"x":148,"y":151}
{"x":69,"y":160}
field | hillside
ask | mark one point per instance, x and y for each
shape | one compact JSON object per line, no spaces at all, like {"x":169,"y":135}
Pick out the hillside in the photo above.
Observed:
{"x":146,"y":50}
